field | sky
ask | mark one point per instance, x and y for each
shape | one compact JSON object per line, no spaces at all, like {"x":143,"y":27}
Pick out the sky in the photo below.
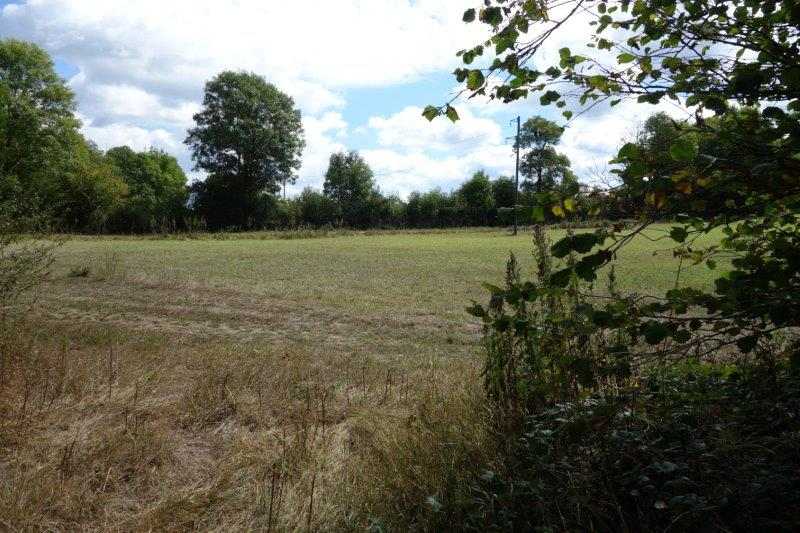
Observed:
{"x":361,"y":71}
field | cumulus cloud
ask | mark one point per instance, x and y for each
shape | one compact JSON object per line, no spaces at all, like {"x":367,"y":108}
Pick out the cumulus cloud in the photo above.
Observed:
{"x":142,"y":65}
{"x":408,"y":129}
{"x":592,"y":139}
{"x":324,"y":135}
{"x":415,"y":154}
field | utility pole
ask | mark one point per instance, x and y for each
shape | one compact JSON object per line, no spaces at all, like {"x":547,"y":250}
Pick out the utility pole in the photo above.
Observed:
{"x":516,"y":178}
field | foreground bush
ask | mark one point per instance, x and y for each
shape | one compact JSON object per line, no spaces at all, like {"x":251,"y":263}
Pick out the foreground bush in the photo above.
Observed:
{"x":700,"y":448}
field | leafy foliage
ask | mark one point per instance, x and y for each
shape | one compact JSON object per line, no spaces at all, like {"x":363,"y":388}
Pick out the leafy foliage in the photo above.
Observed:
{"x":248,"y":138}
{"x":705,"y":54}
{"x":157,"y":191}
{"x":46,"y":166}
{"x":660,"y":459}
{"x":585,"y":440}
{"x":350,"y":185}
{"x":542,"y":345}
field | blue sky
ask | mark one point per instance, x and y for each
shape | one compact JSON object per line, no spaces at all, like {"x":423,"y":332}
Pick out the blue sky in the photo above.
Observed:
{"x":360,"y":70}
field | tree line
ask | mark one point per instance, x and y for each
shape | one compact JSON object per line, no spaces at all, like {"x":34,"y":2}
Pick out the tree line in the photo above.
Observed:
{"x":248,"y":139}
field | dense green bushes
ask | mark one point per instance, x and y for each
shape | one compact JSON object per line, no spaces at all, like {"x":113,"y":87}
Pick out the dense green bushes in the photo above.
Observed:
{"x":695,"y":448}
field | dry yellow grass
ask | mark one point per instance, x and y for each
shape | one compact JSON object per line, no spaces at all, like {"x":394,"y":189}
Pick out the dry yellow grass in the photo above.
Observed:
{"x":103,"y":430}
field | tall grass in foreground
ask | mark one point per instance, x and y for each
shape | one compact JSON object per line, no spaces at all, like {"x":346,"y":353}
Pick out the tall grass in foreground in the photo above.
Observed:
{"x":115,"y":431}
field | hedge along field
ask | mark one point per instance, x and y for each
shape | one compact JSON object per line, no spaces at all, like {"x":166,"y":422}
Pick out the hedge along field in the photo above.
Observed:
{"x":258,"y":382}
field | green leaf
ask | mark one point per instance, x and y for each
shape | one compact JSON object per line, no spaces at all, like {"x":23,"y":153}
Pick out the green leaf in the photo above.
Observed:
{"x":628,"y":151}
{"x":747,"y":344}
{"x":431,"y":112}
{"x":561,"y":278}
{"x":678,"y":234}
{"x":475,"y":80}
{"x":491,"y":15}
{"x":625,"y":58}
{"x":683,"y":150}
{"x":538,"y":214}
{"x":452,"y":114}
{"x":581,"y":243}
{"x":655,"y":332}
{"x":469,"y":15}
{"x":549,"y":97}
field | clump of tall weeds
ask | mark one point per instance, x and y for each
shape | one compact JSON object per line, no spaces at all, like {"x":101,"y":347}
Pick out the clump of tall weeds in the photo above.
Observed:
{"x":539,"y":348}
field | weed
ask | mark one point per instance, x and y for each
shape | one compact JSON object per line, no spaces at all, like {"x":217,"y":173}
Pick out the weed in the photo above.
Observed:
{"x":79,"y":272}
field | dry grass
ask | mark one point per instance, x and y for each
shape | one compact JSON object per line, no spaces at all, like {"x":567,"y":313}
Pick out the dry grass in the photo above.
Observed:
{"x":115,"y":432}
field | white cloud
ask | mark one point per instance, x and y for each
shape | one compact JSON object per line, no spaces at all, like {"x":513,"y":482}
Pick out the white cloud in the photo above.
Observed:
{"x":119,"y":134}
{"x":415,"y":154}
{"x":142,"y":65}
{"x":592,"y":139}
{"x":408,"y":129}
{"x":324,"y":136}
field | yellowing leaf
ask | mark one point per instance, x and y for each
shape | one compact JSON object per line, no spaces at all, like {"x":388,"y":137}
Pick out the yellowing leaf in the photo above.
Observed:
{"x":569,"y":205}
{"x":681,"y":175}
{"x":684,"y":186}
{"x":558,"y":211}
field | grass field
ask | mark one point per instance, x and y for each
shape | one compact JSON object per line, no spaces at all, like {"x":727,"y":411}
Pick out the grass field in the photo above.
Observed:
{"x":255,"y":382}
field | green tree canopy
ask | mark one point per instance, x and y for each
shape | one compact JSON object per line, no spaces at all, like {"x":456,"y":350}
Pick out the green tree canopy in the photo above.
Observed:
{"x":249,"y":139}
{"x":476,"y":195}
{"x":315,"y":208}
{"x":156,"y":189}
{"x":349,"y":182}
{"x":542,"y":167}
{"x":89,"y":190}
{"x":503,"y":192}
{"x":37,"y":123}
{"x":46,"y":166}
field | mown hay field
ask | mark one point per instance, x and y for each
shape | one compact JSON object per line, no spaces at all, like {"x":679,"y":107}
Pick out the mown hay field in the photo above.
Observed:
{"x":257,"y":382}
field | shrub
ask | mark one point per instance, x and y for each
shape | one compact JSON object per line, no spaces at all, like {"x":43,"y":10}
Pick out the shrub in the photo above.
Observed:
{"x":540,"y":348}
{"x":697,"y":448}
{"x":24,"y":263}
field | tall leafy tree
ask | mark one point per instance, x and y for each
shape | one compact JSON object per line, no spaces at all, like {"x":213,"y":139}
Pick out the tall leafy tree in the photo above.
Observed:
{"x":349,"y":182}
{"x":37,"y":124}
{"x":315,"y":208}
{"x":249,"y":139}
{"x":157,"y":191}
{"x":476,"y":195}
{"x":541,"y":165}
{"x":46,"y":166}
{"x":503,"y":192}
{"x":89,"y":190}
